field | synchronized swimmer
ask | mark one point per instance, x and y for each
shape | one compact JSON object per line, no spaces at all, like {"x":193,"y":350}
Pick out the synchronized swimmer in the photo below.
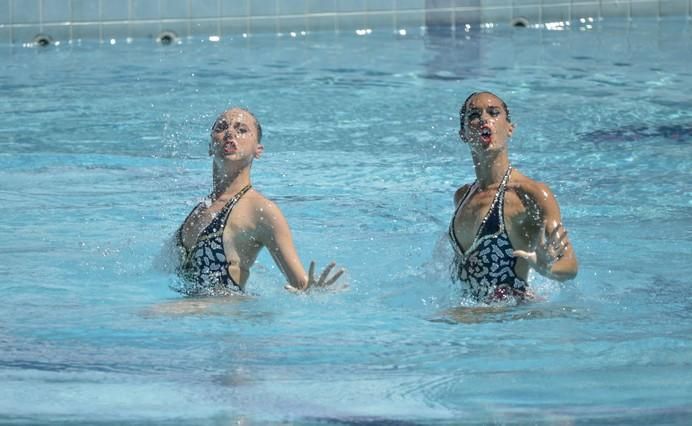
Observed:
{"x":504,"y":223}
{"x":220,"y":240}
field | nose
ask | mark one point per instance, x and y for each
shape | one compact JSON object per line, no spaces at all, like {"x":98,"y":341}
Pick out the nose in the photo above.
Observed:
{"x":228,"y":133}
{"x":484,"y":117}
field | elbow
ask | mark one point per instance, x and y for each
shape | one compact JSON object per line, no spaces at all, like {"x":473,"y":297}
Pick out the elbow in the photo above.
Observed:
{"x":567,"y":272}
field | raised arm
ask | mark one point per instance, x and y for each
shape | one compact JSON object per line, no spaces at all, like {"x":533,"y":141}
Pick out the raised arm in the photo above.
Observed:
{"x":276,"y":236}
{"x":553,"y":255}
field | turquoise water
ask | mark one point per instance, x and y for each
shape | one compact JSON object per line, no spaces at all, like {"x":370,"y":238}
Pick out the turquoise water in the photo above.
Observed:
{"x":103,"y":153}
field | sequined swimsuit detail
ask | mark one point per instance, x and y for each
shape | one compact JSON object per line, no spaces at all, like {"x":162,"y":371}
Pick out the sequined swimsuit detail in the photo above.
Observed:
{"x":204,"y":267}
{"x":488,"y":266}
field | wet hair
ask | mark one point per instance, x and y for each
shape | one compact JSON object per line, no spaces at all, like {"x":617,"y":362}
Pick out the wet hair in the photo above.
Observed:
{"x":258,"y":126}
{"x":462,"y":111}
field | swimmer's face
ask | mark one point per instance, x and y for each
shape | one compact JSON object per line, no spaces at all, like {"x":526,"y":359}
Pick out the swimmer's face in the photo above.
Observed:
{"x":486,"y":123}
{"x":234,"y":136}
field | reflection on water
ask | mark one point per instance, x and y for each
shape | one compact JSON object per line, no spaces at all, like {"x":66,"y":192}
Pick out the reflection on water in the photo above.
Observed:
{"x":507,"y":312}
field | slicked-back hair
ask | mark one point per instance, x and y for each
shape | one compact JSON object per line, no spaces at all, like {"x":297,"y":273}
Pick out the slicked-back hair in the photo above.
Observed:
{"x":462,"y":111}
{"x":258,"y":126}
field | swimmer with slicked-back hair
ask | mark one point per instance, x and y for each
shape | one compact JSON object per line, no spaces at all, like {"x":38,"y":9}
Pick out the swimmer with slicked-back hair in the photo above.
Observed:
{"x":504,"y":223}
{"x":221,"y":238}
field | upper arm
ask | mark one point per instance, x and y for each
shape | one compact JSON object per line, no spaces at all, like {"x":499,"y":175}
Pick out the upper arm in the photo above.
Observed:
{"x":545,"y":202}
{"x":550,"y":218}
{"x":276,"y":236}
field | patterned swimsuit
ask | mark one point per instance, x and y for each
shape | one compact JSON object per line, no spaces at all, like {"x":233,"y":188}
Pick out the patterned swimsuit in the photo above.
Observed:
{"x":204,"y":267}
{"x":488,"y":266}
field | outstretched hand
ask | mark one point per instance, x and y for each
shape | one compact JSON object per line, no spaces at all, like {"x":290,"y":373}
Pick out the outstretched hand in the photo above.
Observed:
{"x":322,"y":282}
{"x":551,"y":247}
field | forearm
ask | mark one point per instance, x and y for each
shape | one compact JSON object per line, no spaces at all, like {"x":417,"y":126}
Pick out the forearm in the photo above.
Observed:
{"x":562,"y":270}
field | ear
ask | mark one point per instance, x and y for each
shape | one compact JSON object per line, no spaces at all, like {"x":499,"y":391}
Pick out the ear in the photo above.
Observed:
{"x":259,"y":150}
{"x":511,"y":129}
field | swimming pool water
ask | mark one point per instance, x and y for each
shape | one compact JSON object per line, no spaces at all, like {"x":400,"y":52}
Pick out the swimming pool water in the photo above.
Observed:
{"x":103,"y":153}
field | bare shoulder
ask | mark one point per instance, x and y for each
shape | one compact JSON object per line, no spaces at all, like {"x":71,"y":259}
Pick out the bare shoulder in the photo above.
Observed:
{"x":459,"y":194}
{"x":534,"y":198}
{"x":530,"y":190}
{"x":266,"y":213}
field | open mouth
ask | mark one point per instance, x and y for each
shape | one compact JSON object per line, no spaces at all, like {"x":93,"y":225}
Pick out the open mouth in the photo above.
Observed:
{"x":486,"y":135}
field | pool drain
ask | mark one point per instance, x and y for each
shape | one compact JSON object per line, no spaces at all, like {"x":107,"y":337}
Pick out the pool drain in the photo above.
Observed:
{"x":519,"y":22}
{"x":43,"y":40}
{"x":167,"y":37}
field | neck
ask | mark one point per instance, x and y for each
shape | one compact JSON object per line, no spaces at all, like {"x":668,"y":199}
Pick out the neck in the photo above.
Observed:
{"x":490,"y":169}
{"x":228,"y":180}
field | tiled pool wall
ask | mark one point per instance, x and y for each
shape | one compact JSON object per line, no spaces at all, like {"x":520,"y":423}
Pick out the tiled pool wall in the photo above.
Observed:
{"x":22,"y":20}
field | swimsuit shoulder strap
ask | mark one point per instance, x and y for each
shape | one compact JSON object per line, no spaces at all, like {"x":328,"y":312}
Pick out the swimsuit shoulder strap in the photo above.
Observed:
{"x":226,"y":211}
{"x":499,"y":203}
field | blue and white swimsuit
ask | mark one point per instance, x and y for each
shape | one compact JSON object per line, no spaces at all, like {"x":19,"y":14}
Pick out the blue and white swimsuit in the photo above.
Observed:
{"x":204,"y":267}
{"x":488,"y":266}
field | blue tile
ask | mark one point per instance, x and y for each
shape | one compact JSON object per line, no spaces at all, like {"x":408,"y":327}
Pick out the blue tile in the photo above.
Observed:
{"x":179,"y":28}
{"x":497,"y":14}
{"x":234,"y":27}
{"x":86,"y":31}
{"x":85,"y":10}
{"x":115,"y":30}
{"x":4,"y":12}
{"x":556,"y":13}
{"x":410,"y":18}
{"x":438,"y":4}
{"x":410,"y":4}
{"x":611,"y":8}
{"x":469,"y":16}
{"x":59,"y":33}
{"x":321,"y":6}
{"x":204,"y":8}
{"x":143,"y":30}
{"x":175,"y":9}
{"x":263,"y":8}
{"x":263,"y":25}
{"x":585,"y":10}
{"x":530,"y":13}
{"x":437,"y":18}
{"x":235,"y":8}
{"x":351,"y":5}
{"x":350,"y":23}
{"x":287,"y":25}
{"x":25,"y":12}
{"x":292,"y":7}
{"x":145,"y":9}
{"x":322,"y":22}
{"x":380,"y":5}
{"x":499,"y":4}
{"x":645,"y":8}
{"x":381,"y":21}
{"x":5,"y":36}
{"x":471,"y":3}
{"x":22,"y":35}
{"x":115,"y":10}
{"x":675,"y":8}
{"x":55,"y":10}
{"x":202,"y":29}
